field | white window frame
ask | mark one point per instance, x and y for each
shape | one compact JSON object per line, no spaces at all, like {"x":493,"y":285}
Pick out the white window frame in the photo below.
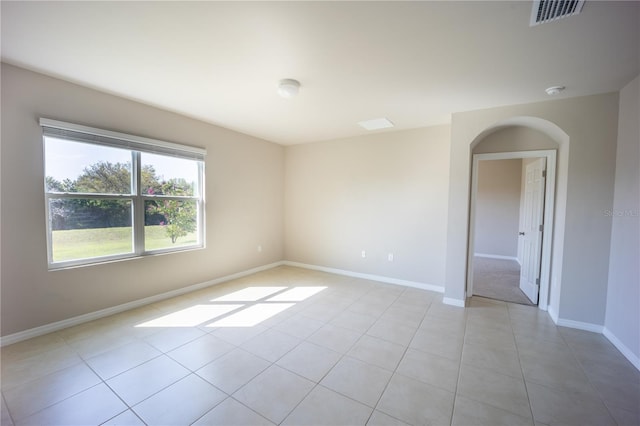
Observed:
{"x":136,"y":145}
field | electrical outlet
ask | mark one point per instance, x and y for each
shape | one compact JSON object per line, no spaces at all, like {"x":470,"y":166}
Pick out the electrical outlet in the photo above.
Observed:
{"x":364,"y":254}
{"x":390,"y":257}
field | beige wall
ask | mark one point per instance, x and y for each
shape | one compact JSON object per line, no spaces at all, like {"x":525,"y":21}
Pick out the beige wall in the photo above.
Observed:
{"x":244,"y":196}
{"x":382,"y":193}
{"x":514,"y":139}
{"x":623,"y":295}
{"x":404,"y":192}
{"x":497,"y":212}
{"x":587,"y":130}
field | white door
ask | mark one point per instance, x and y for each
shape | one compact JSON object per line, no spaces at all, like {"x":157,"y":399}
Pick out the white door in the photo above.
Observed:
{"x":531,"y":228}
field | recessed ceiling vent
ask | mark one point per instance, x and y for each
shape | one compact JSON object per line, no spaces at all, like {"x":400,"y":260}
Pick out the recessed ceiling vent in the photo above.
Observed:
{"x":552,"y":10}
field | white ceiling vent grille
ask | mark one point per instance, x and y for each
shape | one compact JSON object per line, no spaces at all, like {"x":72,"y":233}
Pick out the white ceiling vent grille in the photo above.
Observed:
{"x":551,"y":10}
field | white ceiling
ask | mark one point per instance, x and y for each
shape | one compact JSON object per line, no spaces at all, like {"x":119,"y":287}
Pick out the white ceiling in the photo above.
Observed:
{"x":414,"y":63}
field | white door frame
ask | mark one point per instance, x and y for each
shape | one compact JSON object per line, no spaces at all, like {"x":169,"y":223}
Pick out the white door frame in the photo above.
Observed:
{"x":547,"y":236}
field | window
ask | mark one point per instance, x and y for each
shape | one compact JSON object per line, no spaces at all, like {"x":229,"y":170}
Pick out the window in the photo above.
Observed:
{"x":112,"y":196}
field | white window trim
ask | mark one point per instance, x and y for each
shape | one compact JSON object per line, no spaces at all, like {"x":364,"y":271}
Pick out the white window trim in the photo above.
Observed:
{"x":151,"y":143}
{"x":141,"y":144}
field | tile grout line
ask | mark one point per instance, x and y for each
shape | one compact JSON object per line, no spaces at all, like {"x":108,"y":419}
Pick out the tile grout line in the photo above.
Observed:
{"x":406,"y":349}
{"x":112,"y":391}
{"x":512,"y":315}
{"x":455,"y":392}
{"x":524,"y":381}
{"x":494,"y":372}
{"x":82,"y":362}
{"x":226,"y":399}
{"x":8,"y":411}
{"x":274,"y":363}
{"x":595,"y":388}
{"x":136,"y":339}
{"x":342,"y":356}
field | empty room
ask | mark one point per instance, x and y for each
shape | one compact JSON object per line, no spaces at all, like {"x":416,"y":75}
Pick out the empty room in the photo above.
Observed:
{"x":320,"y":213}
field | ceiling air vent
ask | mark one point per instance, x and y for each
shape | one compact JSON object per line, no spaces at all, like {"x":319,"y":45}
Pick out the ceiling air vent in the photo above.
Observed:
{"x":551,"y":10}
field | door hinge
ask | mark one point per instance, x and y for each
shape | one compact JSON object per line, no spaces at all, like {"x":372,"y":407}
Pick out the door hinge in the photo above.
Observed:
{"x":537,"y":281}
{"x":544,"y":173}
{"x":541,"y":228}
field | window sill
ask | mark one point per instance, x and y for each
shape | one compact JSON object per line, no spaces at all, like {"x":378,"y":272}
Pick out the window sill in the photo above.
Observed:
{"x":68,"y":265}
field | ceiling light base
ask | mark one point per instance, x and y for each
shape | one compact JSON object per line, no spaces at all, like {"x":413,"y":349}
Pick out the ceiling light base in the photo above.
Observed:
{"x":288,"y":88}
{"x":554,"y":90}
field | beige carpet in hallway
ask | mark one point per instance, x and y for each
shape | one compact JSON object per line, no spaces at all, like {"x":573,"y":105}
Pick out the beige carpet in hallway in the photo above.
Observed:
{"x":498,"y":279}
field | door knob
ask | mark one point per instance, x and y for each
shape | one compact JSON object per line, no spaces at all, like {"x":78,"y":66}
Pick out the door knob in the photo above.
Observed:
{"x":520,"y":233}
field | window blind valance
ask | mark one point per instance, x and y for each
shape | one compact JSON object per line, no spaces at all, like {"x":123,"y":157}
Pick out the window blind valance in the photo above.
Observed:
{"x":76,"y":132}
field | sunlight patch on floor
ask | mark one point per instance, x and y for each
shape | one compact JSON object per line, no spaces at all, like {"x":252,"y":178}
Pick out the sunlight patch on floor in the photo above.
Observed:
{"x":190,"y":317}
{"x":252,"y":315}
{"x":249,"y":294}
{"x":253,"y":305}
{"x":296,"y":294}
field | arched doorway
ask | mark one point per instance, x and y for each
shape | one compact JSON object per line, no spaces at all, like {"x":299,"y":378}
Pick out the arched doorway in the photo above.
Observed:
{"x":522,"y":138}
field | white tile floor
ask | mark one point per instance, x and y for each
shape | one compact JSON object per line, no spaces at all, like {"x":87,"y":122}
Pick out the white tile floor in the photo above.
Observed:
{"x":334,"y":351}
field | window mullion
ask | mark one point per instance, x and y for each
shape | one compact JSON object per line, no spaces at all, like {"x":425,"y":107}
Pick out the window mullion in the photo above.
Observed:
{"x":200,"y":203}
{"x":49,"y":230}
{"x":138,"y":203}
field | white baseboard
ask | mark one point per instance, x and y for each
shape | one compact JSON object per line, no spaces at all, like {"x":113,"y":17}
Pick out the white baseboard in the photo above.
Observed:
{"x":453,"y":302}
{"x":59,"y":325}
{"x":388,"y":280}
{"x":70,"y":322}
{"x":586,"y":326}
{"x":496,"y":256}
{"x":628,"y":353}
